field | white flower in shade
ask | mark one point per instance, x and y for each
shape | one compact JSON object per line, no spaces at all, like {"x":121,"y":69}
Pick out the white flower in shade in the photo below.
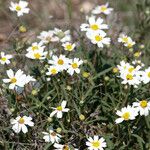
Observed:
{"x":20,"y":8}
{"x":138,"y":62}
{"x":36,"y":46}
{"x":123,"y":66}
{"x":48,"y":36}
{"x":68,"y":46}
{"x":130,"y":43}
{"x":126,"y":40}
{"x":102,"y":9}
{"x":5,"y":59}
{"x":60,"y":62}
{"x":123,"y":38}
{"x":21,"y":123}
{"x":17,"y":79}
{"x":126,"y":113}
{"x":143,"y":107}
{"x":63,"y":36}
{"x":74,"y":66}
{"x":98,"y":38}
{"x":93,"y":25}
{"x":145,"y":78}
{"x":36,"y":54}
{"x":96,"y":143}
{"x":59,"y":110}
{"x":61,"y":147}
{"x":51,"y":136}
{"x":52,"y":70}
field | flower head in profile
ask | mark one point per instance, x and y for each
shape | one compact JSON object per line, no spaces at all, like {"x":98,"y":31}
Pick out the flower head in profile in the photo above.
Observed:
{"x":143,"y":107}
{"x":48,"y":37}
{"x":96,"y":143}
{"x":59,"y":110}
{"x":102,"y":9}
{"x":61,"y":146}
{"x":145,"y":78}
{"x":68,"y":46}
{"x":5,"y":59}
{"x":126,"y":113}
{"x":51,"y":136}
{"x":74,"y":66}
{"x":93,"y":25}
{"x":20,"y":8}
{"x":63,"y":36}
{"x":98,"y":38}
{"x":21,"y":123}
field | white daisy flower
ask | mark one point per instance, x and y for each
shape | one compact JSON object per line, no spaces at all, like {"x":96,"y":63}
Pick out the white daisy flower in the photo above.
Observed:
{"x":126,"y":113}
{"x":5,"y":59}
{"x":36,"y":46}
{"x":20,"y":8}
{"x":98,"y":38}
{"x":47,"y":37}
{"x":40,"y":54}
{"x":74,"y":66}
{"x":59,"y":110}
{"x":63,"y":36}
{"x":21,"y":123}
{"x":60,"y":62}
{"x":17,"y":79}
{"x":93,"y":25}
{"x":102,"y":9}
{"x":96,"y":143}
{"x":51,"y":136}
{"x":130,"y":43}
{"x":68,"y":46}
{"x":143,"y":107}
{"x":52,"y":70}
{"x":145,"y":78}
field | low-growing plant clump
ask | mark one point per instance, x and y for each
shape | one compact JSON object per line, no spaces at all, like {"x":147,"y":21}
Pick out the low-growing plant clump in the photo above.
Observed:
{"x":84,"y":88}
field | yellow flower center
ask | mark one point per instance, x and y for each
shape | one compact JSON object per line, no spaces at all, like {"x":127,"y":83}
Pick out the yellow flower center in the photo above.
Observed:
{"x":18,"y":8}
{"x":13,"y":80}
{"x":94,"y":27}
{"x":143,"y":103}
{"x":129,"y":77}
{"x":103,"y":8}
{"x":98,"y":38}
{"x":131,"y":69}
{"x":69,"y":47}
{"x":48,"y":38}
{"x":96,"y":144}
{"x":126,"y":116}
{"x":74,"y":65}
{"x":3,"y":58}
{"x":148,"y":74}
{"x":21,"y":120}
{"x":37,"y":55}
{"x":59,"y":108}
{"x":60,"y":62}
{"x":137,"y":54}
{"x":125,"y":39}
{"x":35,"y":48}
{"x":65,"y":147}
{"x":53,"y":71}
{"x":130,"y":45}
